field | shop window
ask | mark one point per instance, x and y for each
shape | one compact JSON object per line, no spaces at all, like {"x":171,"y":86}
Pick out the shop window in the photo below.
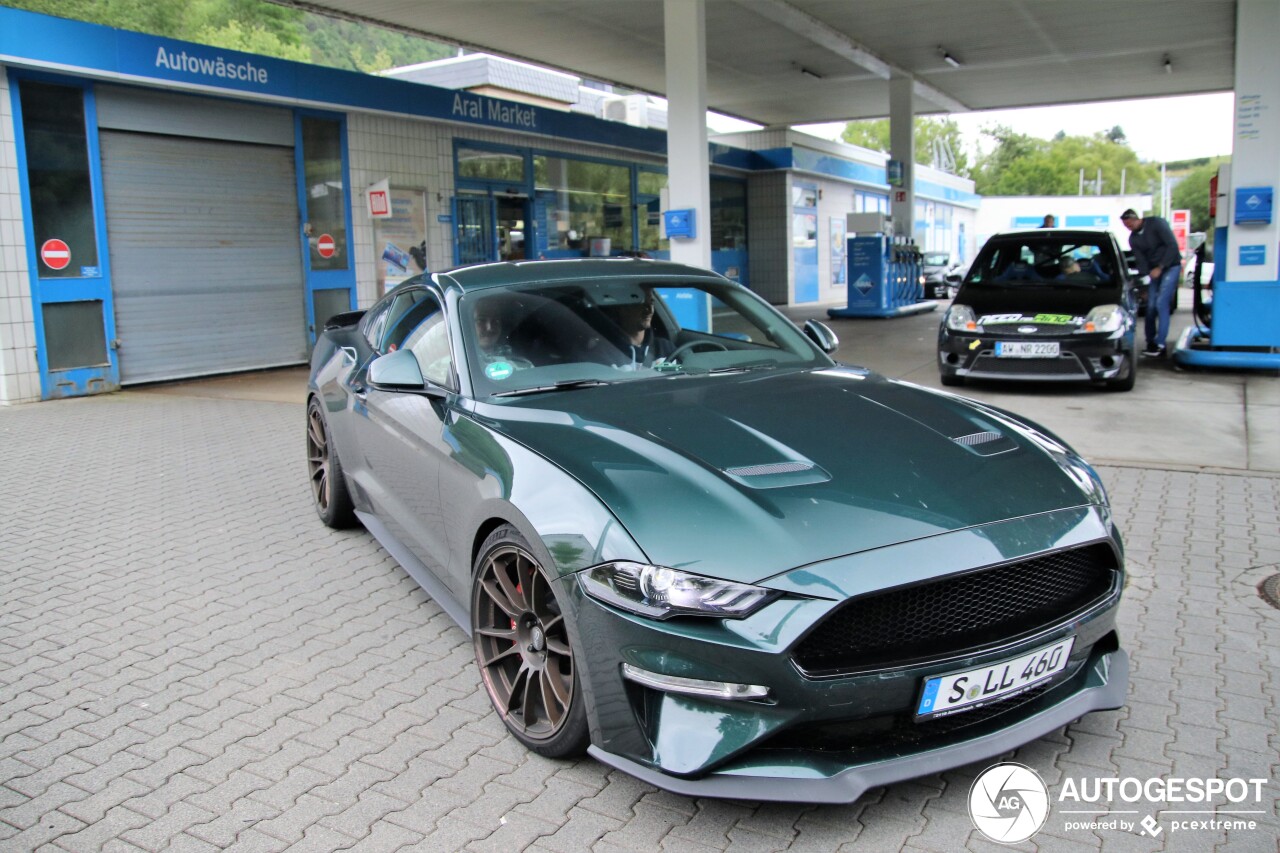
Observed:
{"x":479,"y":164}
{"x":74,"y":334}
{"x":326,"y":193}
{"x":649,"y":186}
{"x":728,"y":215}
{"x":589,"y":200}
{"x":57,"y":149}
{"x":804,"y":196}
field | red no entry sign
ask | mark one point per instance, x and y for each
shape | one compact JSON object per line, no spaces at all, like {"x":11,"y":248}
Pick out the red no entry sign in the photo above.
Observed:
{"x":55,"y":254}
{"x":325,"y":246}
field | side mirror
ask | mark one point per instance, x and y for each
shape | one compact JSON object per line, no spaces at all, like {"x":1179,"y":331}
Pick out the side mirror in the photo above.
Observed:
{"x":397,"y":371}
{"x":821,"y":334}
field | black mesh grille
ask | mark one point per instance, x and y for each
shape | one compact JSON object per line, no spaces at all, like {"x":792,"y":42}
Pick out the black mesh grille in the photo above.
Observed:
{"x":897,"y":729}
{"x":957,"y":613}
{"x":1067,"y":364}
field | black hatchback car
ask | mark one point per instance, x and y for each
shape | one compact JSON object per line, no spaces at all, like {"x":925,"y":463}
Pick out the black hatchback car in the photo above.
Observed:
{"x":1050,"y":305}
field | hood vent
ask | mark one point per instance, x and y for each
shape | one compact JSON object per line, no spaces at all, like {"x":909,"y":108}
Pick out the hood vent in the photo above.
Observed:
{"x":977,"y":438}
{"x":766,"y":470}
{"x":985,"y":443}
{"x":776,"y":475}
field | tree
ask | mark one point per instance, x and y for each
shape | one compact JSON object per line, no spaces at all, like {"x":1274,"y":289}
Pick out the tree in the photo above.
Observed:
{"x":1022,"y":165}
{"x":875,"y":136}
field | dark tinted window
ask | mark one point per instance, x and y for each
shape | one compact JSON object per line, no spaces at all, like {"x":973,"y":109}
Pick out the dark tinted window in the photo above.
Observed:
{"x":1035,"y":260}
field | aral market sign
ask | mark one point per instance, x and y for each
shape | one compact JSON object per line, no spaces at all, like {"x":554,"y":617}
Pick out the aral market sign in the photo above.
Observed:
{"x":498,"y":112}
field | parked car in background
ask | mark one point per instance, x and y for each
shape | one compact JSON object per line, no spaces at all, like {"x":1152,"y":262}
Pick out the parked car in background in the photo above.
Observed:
{"x":1046,"y":306}
{"x":934,"y":269}
{"x":684,"y":539}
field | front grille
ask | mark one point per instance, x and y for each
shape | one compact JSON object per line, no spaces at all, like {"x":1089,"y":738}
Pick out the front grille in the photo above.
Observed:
{"x":1065,"y":365}
{"x":895,"y":730}
{"x":955,"y":614}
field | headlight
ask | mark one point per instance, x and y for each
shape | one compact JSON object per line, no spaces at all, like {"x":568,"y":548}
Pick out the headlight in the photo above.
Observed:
{"x":960,"y":319}
{"x":1104,"y":318}
{"x":660,"y":593}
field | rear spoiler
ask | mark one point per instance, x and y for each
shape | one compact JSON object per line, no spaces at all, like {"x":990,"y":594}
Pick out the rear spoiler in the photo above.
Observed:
{"x":341,"y":321}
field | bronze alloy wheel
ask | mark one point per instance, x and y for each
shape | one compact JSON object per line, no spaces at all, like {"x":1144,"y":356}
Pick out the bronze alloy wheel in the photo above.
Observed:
{"x":522,"y":649}
{"x":328,"y":484}
{"x":318,"y":458}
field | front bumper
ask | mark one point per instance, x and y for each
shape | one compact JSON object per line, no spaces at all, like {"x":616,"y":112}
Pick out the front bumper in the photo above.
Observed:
{"x":1082,"y":358}
{"x":830,"y":735}
{"x":1103,"y":683}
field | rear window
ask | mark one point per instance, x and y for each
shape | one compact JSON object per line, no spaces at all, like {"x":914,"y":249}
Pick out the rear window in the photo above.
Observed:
{"x":1038,"y":260}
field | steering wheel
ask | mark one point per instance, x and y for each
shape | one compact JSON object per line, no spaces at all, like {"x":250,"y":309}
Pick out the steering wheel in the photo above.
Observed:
{"x":692,"y":345}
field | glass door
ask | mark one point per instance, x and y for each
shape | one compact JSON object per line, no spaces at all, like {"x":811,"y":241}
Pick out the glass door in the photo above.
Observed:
{"x":473,"y":219}
{"x":325,"y":204}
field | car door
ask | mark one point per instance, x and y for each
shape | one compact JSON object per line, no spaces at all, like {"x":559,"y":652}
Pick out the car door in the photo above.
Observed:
{"x":400,"y":435}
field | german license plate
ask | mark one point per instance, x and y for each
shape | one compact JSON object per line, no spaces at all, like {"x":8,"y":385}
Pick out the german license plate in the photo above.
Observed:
{"x":961,"y":691}
{"x":1026,"y":349}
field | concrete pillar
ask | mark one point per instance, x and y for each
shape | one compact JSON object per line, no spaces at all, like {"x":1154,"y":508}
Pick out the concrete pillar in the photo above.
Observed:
{"x":902,"y":147}
{"x":688,"y":166}
{"x":1255,"y":160}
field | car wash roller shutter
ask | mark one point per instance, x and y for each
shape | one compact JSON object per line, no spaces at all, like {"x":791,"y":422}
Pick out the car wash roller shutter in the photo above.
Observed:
{"x":205,"y":261}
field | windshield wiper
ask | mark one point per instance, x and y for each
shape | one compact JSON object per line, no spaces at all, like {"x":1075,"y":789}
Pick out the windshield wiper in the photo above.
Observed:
{"x":562,"y":385}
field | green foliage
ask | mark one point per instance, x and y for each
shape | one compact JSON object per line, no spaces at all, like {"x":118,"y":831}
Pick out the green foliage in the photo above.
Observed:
{"x":253,"y":26}
{"x":1192,"y":193}
{"x":875,"y":136}
{"x":1022,"y":165}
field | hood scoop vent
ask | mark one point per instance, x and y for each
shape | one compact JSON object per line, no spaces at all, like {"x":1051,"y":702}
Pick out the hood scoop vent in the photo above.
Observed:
{"x":985,"y":443}
{"x":775,"y":475}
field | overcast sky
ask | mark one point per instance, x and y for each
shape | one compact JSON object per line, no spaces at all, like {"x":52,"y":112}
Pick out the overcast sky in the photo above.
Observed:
{"x":1159,"y":130}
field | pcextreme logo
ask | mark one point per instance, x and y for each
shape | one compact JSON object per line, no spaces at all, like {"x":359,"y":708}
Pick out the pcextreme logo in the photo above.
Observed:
{"x":1009,"y":803}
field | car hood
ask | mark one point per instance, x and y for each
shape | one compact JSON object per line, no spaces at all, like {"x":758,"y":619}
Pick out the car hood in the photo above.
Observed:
{"x":1076,"y":301}
{"x":743,"y":477}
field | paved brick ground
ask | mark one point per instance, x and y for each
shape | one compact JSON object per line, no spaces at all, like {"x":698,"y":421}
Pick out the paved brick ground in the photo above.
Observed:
{"x":190,"y":661}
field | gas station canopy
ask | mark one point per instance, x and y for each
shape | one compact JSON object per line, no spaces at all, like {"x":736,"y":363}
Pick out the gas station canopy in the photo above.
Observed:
{"x":786,"y":62}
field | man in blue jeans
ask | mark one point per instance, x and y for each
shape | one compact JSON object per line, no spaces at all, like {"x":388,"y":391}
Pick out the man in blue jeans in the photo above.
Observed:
{"x":1156,"y":251}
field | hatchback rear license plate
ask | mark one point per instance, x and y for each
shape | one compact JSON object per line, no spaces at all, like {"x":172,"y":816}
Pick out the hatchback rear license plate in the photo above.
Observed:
{"x":972,"y":688}
{"x":1026,"y":349}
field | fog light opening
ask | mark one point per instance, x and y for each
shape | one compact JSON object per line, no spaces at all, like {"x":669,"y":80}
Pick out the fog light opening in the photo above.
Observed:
{"x":952,"y":358}
{"x":693,"y":686}
{"x":1108,"y":362}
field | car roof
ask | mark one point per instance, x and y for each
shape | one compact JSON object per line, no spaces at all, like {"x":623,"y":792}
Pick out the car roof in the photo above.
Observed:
{"x":568,"y":270}
{"x":1055,"y":233}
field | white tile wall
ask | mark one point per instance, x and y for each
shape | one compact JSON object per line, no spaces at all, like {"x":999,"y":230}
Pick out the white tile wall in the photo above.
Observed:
{"x":19,"y":378}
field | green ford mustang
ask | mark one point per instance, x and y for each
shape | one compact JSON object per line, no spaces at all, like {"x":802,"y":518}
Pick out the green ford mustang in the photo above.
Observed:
{"x":685,"y":540}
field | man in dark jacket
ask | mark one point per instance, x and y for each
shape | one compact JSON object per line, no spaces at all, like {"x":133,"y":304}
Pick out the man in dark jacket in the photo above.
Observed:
{"x":1156,"y":251}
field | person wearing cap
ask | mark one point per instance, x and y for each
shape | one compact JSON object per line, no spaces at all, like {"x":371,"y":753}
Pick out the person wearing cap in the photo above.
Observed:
{"x":1156,"y":251}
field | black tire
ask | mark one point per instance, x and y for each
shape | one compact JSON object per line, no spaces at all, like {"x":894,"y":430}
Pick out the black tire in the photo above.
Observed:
{"x":951,"y":381}
{"x":523,"y":648}
{"x":1126,"y":382}
{"x":329,"y":493}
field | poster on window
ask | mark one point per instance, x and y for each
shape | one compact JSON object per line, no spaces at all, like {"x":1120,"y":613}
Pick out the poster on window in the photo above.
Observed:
{"x":837,"y":251}
{"x":400,"y":240}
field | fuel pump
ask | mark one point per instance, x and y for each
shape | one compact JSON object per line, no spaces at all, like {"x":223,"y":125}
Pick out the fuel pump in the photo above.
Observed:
{"x":885,"y":270}
{"x":1241,"y":328}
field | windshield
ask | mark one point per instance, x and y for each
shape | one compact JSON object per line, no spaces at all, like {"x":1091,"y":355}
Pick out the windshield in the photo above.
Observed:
{"x":1039,"y":261}
{"x":936,"y":259}
{"x":557,"y":335}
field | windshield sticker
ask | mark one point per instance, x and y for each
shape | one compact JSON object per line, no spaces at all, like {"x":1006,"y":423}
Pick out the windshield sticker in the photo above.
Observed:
{"x":1055,"y":319}
{"x":499,"y":370}
{"x":996,"y":319}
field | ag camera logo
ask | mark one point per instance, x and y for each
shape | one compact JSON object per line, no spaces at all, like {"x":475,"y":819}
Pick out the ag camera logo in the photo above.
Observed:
{"x":1008,"y":803}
